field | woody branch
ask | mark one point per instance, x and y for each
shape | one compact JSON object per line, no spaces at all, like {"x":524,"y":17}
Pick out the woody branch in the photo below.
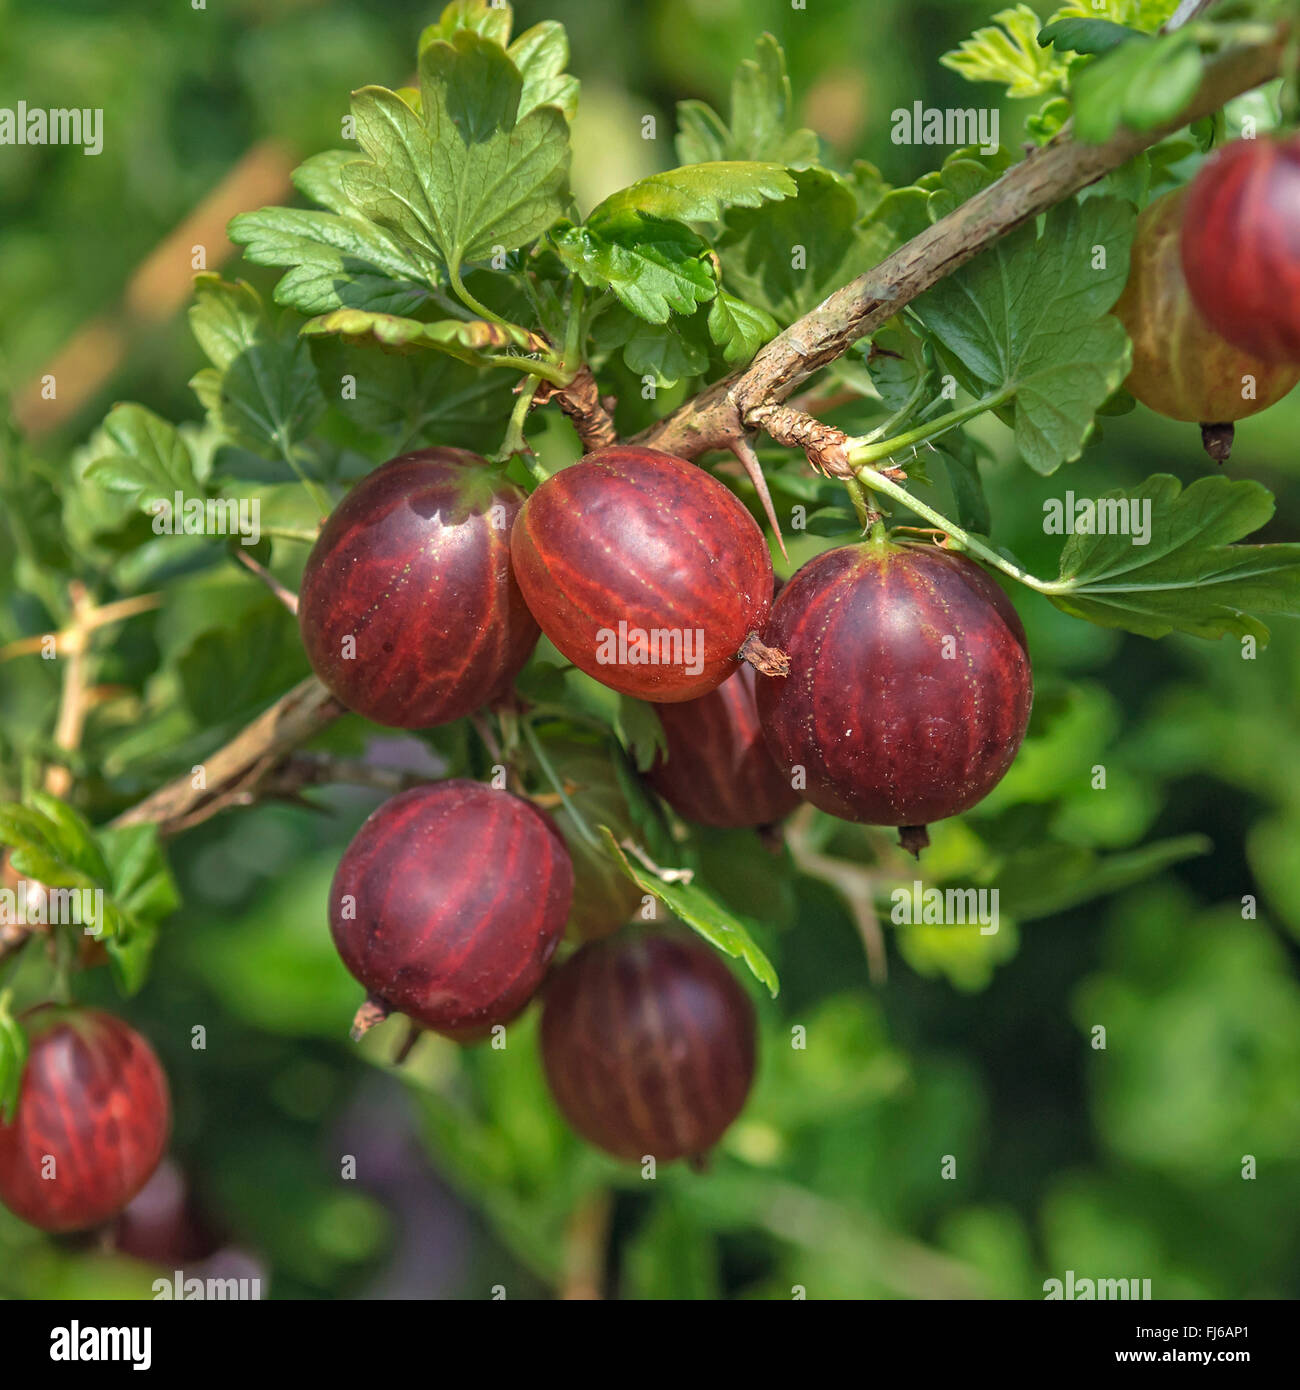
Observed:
{"x":722,"y":416}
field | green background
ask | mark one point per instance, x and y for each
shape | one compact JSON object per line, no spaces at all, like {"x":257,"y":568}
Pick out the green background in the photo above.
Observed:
{"x":952,"y":1131}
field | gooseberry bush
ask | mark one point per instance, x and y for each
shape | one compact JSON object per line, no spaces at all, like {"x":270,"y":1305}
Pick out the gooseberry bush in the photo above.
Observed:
{"x":659,"y":528}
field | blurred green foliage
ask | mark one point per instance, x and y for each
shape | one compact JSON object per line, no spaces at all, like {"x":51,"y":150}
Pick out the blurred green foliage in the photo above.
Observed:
{"x":954,"y":1130}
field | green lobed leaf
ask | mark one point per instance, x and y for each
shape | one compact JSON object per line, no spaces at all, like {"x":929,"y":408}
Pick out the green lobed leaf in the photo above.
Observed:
{"x":493,"y":19}
{"x":46,"y":851}
{"x":230,"y":672}
{"x":1007,"y":52}
{"x":261,"y":391}
{"x":335,"y":262}
{"x":1028,"y":322}
{"x":654,"y":268}
{"x":320,"y":178}
{"x":466,"y":175}
{"x":141,"y":456}
{"x":962,"y":466}
{"x":896,"y":360}
{"x":702,"y":135}
{"x":1142,"y":84}
{"x":53,"y":845}
{"x":474,"y":341}
{"x":700,"y":910}
{"x":1083,"y":35}
{"x":695,"y":193}
{"x":541,"y":54}
{"x":337,"y":258}
{"x":832,"y":521}
{"x":762,"y":118}
{"x":640,"y":731}
{"x":669,"y":352}
{"x":1189,"y":577}
{"x":139,"y":875}
{"x":785,"y":258}
{"x":739,"y":329}
{"x":1144,"y":15}
{"x":70,"y":835}
{"x":129,"y":957}
{"x":412,"y":399}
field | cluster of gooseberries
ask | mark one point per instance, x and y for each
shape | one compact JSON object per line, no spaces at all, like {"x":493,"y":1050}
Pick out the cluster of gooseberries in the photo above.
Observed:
{"x":907,"y":694}
{"x":1210,"y":302}
{"x":905,"y":698}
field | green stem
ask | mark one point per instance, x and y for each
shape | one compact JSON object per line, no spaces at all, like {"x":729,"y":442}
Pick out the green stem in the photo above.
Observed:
{"x":547,"y":371}
{"x":557,"y":375}
{"x":65,"y":953}
{"x":319,"y":498}
{"x":861,"y":503}
{"x":514,"y":442}
{"x":548,"y":771}
{"x":289,"y":533}
{"x":482,"y":310}
{"x":877,"y":482}
{"x":864,"y":451}
{"x":904,"y":413}
{"x":574,"y":329}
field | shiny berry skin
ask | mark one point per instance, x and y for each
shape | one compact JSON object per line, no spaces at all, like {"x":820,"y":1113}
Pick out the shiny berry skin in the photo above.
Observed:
{"x":1181,"y":367}
{"x":717,"y":769}
{"x":449,"y":903}
{"x":94,"y":1109}
{"x":631,"y":554}
{"x":414,"y":566}
{"x":1241,"y":246}
{"x":909,"y":686}
{"x":648,"y":1045}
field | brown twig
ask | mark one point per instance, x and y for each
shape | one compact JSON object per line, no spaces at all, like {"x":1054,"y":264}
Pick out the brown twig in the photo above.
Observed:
{"x":1047,"y":176}
{"x":581,"y":401}
{"x":234,"y":775}
{"x":585,"y":1243}
{"x":71,"y":721}
{"x":65,"y":639}
{"x":724,"y":411}
{"x":824,"y":445}
{"x":285,"y":595}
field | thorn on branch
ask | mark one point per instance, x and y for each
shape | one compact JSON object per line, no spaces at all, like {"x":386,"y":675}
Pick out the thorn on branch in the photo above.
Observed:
{"x":744,"y":451}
